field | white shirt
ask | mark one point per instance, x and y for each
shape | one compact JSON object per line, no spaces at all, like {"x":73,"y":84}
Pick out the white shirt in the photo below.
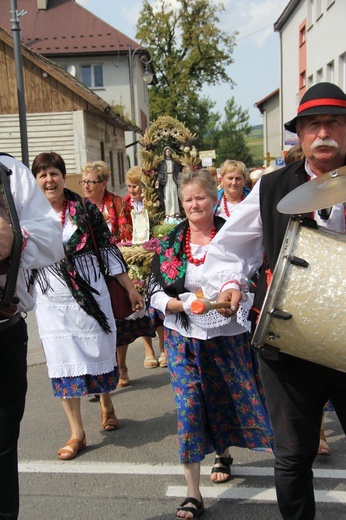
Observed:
{"x":39,"y":226}
{"x":237,"y":251}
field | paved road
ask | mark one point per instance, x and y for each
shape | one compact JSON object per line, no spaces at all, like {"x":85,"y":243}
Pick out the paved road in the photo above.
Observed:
{"x":133,"y":473}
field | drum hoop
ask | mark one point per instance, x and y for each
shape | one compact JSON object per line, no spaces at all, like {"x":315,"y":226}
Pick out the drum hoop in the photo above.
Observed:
{"x":275,"y":285}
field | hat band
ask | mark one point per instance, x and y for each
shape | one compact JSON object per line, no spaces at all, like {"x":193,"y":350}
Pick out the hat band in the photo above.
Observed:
{"x":321,"y":102}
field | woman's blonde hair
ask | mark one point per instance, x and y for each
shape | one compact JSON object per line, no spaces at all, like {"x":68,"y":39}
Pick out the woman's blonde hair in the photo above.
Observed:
{"x":134,"y":175}
{"x":230,"y":165}
{"x":100,"y":167}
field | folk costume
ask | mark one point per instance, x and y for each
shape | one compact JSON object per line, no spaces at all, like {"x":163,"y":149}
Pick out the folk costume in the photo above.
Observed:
{"x":223,"y":207}
{"x":214,"y":377}
{"x":117,"y":213}
{"x":73,"y":309}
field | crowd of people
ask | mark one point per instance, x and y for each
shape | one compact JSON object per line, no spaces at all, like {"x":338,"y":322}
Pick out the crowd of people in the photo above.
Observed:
{"x":225,"y":248}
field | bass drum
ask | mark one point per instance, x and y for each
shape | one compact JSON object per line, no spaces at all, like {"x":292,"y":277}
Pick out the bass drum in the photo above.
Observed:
{"x":303,"y":314}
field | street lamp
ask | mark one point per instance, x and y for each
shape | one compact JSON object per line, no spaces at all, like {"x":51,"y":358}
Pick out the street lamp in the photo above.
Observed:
{"x":17,"y":48}
{"x":147,"y":78}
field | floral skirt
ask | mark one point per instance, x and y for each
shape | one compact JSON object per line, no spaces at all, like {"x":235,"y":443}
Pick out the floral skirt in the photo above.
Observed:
{"x":218,"y":395}
{"x":129,"y":330}
{"x":79,"y":386}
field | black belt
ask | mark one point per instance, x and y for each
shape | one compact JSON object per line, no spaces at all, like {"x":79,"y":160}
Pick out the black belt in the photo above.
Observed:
{"x":9,"y":323}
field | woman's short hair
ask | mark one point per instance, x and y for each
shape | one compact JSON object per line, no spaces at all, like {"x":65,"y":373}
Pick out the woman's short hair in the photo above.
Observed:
{"x":230,"y":165}
{"x":134,"y":175}
{"x":100,"y":167}
{"x":47,"y":160}
{"x":201,"y":177}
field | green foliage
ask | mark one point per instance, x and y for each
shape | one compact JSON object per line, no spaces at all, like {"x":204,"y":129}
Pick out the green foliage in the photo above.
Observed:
{"x":255,"y":144}
{"x":229,"y":136}
{"x":189,"y":51}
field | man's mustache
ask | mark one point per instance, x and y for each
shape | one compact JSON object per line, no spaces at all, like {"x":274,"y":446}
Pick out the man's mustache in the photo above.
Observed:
{"x":324,"y":142}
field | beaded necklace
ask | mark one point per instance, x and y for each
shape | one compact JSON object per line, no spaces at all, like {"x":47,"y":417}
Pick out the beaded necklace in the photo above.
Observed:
{"x":195,"y":261}
{"x":225,"y":207}
{"x":63,"y":212}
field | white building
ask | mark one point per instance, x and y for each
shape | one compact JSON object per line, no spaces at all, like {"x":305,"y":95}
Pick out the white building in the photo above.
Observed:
{"x":312,"y":49}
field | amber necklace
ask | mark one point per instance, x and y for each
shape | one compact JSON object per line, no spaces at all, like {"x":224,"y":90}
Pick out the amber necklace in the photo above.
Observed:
{"x":195,"y":261}
{"x":63,"y":212}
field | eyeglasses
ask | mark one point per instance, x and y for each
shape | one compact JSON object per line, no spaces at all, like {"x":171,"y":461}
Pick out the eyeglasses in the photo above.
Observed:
{"x":89,"y":183}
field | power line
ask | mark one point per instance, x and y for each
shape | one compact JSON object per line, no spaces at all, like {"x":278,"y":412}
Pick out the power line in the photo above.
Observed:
{"x":258,"y":30}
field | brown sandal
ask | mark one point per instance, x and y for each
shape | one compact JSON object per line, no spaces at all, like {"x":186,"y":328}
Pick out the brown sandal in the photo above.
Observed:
{"x":109,"y":420}
{"x":124,"y":379}
{"x":323,"y":448}
{"x":76,"y":446}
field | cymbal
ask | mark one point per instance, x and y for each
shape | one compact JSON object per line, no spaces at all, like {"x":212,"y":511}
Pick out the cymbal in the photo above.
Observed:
{"x":319,"y":193}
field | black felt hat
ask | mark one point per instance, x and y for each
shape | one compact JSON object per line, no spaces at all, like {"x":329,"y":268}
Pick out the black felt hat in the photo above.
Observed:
{"x":322,"y":98}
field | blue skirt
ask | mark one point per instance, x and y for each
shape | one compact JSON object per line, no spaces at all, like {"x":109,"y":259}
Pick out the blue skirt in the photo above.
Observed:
{"x":218,"y":395}
{"x":87,"y":384}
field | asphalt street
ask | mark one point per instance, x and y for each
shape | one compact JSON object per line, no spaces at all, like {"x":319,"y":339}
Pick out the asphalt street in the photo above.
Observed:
{"x":134,"y":473}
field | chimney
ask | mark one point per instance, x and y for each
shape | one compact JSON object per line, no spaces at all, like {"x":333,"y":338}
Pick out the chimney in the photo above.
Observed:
{"x":42,"y":5}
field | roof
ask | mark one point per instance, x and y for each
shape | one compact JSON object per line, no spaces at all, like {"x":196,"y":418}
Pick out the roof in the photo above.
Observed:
{"x":286,"y":13}
{"x":66,"y":27}
{"x":70,"y":82}
{"x":259,"y":104}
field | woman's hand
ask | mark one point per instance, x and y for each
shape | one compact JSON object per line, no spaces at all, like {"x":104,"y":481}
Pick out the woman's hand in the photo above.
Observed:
{"x":6,"y":239}
{"x":174,"y":306}
{"x":233,"y":296}
{"x":136,"y":299}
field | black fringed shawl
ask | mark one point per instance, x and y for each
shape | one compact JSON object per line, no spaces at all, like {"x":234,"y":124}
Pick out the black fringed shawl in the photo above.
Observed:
{"x":79,"y":248}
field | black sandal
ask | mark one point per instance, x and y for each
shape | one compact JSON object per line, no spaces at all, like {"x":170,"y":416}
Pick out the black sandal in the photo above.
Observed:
{"x":196,"y":511}
{"x":225,"y":468}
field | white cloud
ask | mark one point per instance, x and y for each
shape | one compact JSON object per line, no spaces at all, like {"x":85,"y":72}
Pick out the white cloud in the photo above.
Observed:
{"x":252,"y":18}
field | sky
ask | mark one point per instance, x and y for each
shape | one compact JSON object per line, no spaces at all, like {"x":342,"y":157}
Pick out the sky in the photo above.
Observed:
{"x":256,"y":56}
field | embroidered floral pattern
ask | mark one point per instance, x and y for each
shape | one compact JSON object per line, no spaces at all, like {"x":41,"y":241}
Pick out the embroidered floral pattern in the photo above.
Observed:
{"x":221,"y":373}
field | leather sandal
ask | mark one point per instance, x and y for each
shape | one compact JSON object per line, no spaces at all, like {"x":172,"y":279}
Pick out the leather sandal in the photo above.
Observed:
{"x":124,"y":379}
{"x":162,"y":360}
{"x":76,"y":446}
{"x":225,"y":469}
{"x":109,"y":420}
{"x":323,"y":448}
{"x":150,"y":362}
{"x":196,"y":511}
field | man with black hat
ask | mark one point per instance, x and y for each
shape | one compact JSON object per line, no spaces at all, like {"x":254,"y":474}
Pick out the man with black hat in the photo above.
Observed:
{"x":296,"y":390}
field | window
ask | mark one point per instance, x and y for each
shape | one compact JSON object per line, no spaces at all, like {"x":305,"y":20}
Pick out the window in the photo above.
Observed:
{"x":302,"y":35}
{"x":112,"y":168}
{"x":102,"y":151}
{"x":92,"y":75}
{"x":310,"y":81}
{"x":319,"y":76}
{"x":121,"y":168}
{"x":330,"y":72}
{"x":319,"y":9}
{"x":342,"y":71}
{"x":302,"y":80}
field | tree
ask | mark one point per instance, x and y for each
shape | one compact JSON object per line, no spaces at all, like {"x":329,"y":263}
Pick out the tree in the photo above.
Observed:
{"x":189,"y":51}
{"x":228,"y":138}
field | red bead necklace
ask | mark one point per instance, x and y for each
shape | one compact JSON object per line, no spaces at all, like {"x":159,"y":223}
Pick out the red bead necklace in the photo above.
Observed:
{"x":63,"y":212}
{"x":225,"y":207}
{"x":195,"y":261}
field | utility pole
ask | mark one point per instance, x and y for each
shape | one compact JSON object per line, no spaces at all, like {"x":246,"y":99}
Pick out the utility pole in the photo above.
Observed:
{"x":20,"y":80}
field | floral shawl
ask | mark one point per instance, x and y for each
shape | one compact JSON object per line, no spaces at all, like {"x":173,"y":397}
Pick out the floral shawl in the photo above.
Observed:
{"x":170,"y":261}
{"x":77,"y":249}
{"x":120,"y":217}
